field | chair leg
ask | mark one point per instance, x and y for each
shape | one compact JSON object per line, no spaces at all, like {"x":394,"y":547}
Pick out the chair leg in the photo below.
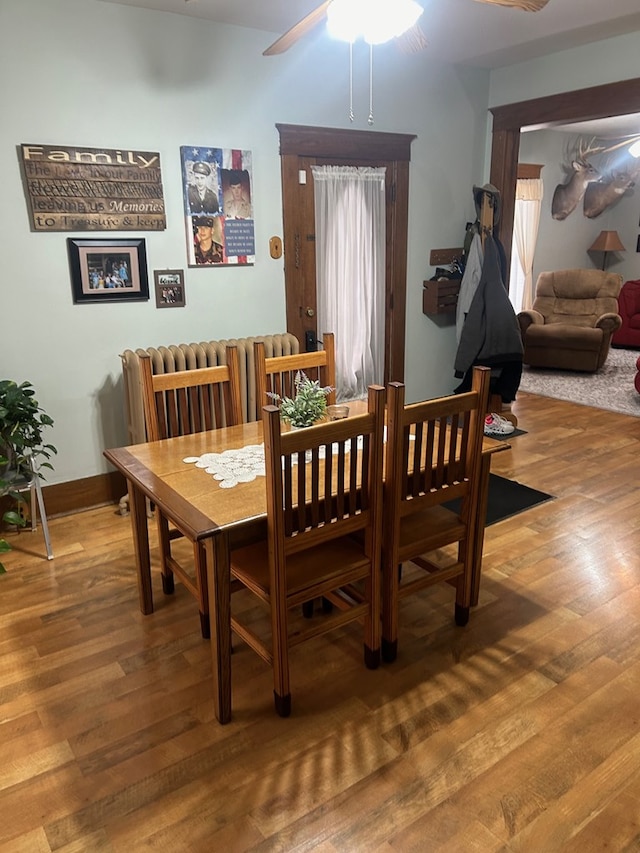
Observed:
{"x":307,"y":607}
{"x":205,"y":626}
{"x":200,"y":560}
{"x":464,"y":583}
{"x":282,"y":704}
{"x":461,"y":615}
{"x":389,"y":650}
{"x":390,"y":582}
{"x":280,"y":648}
{"x":371,"y":657}
{"x":168,"y":583}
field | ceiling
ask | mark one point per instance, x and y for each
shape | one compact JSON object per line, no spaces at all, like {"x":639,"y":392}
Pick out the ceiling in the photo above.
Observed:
{"x":456,"y":30}
{"x":460,"y":31}
{"x":615,"y":127}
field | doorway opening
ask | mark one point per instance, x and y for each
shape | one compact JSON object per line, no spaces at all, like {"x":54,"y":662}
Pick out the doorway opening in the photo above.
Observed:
{"x":302,"y":147}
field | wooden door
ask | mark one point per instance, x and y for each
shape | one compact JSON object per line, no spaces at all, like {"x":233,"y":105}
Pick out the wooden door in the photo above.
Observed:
{"x":302,"y":147}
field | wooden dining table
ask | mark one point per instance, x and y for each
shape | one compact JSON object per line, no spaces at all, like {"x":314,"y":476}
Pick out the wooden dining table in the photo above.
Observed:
{"x":219,"y":518}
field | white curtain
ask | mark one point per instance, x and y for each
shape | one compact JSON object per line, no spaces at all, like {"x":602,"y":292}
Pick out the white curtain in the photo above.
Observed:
{"x":350,"y":271}
{"x":525,"y":236}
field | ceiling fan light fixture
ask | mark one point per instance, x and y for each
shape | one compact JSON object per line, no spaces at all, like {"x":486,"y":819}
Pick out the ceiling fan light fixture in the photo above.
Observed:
{"x":344,"y":19}
{"x":377,"y":21}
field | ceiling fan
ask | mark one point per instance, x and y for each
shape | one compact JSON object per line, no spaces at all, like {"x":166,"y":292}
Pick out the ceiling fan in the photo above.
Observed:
{"x":412,"y":40}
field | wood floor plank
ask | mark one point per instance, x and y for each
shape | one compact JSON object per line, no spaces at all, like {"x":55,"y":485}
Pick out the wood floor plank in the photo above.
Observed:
{"x":600,"y":812}
{"x":31,"y":842}
{"x":518,"y":732}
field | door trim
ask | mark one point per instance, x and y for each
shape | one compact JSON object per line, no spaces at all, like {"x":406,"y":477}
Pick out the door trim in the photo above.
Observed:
{"x":366,"y":148}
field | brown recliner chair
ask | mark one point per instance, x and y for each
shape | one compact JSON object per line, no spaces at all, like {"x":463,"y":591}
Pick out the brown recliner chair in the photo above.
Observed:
{"x":574,"y":315}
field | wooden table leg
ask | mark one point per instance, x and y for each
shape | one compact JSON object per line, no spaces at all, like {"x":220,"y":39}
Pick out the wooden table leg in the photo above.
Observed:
{"x":140,"y":530}
{"x":483,"y":498}
{"x":219,"y":584}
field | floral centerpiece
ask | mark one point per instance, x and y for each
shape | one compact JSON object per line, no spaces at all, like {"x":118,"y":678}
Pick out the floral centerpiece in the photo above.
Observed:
{"x":309,"y":403}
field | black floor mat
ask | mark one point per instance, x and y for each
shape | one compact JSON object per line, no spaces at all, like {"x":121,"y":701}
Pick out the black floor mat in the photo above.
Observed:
{"x":507,"y":498}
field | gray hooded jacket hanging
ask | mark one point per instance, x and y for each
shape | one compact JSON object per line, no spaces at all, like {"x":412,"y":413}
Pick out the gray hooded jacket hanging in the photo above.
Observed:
{"x":490,"y":333}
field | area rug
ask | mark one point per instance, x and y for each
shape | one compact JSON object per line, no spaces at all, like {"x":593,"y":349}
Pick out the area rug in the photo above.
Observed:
{"x":610,"y":388}
{"x":507,"y":498}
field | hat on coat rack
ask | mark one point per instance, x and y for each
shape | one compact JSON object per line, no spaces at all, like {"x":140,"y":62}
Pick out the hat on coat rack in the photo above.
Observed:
{"x":494,"y":200}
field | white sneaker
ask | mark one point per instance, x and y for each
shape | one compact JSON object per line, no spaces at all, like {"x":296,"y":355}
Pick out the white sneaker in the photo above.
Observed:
{"x":495,"y":424}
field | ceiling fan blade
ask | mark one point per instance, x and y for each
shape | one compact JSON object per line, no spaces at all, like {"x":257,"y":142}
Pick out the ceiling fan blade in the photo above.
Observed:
{"x":412,"y":40}
{"x":297,"y":31}
{"x":525,"y":5}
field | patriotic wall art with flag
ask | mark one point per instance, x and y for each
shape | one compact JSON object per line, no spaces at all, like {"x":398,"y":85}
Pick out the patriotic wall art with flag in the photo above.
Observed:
{"x":218,"y":205}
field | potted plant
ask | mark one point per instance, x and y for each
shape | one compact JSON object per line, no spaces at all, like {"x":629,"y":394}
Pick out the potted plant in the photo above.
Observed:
{"x":22,"y":422}
{"x":309,"y":403}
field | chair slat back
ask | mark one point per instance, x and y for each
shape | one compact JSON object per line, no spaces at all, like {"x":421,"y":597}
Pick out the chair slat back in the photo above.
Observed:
{"x":190,"y":401}
{"x":325,"y":481}
{"x":433,"y":447}
{"x":277,"y":375}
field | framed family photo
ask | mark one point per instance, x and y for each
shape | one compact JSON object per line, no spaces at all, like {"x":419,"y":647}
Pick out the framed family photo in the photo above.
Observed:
{"x":169,"y":286}
{"x":218,"y":206}
{"x":105,"y":270}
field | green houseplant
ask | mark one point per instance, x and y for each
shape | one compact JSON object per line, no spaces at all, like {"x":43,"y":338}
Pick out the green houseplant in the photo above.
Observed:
{"x":22,"y":422}
{"x":309,"y":403}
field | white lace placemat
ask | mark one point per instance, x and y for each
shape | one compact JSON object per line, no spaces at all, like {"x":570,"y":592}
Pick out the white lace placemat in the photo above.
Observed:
{"x":240,"y":465}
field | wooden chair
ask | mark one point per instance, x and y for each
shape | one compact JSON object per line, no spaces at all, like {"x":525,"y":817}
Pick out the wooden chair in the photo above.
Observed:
{"x":324,"y":520}
{"x":432,"y":457}
{"x":276,"y":375}
{"x":190,"y":401}
{"x":181,"y":403}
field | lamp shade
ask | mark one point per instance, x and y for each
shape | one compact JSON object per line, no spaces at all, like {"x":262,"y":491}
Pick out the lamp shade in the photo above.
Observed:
{"x":607,"y":241}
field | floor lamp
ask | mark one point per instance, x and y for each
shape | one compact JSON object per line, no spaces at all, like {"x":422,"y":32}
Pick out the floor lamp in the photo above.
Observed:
{"x":605,"y":242}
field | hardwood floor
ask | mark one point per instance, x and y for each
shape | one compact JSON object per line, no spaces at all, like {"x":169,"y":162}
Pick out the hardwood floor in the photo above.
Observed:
{"x":520,"y":732}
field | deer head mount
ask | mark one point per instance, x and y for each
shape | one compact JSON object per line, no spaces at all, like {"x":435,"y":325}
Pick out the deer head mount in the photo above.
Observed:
{"x":598,"y":186}
{"x":599,"y":196}
{"x":566,"y":197}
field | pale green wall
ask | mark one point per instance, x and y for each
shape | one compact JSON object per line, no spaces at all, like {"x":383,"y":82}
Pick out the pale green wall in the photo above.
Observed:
{"x":579,"y":68}
{"x":82,"y":72}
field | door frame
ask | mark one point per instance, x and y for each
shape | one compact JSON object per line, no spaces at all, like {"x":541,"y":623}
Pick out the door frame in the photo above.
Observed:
{"x":300,"y":144}
{"x":609,"y":99}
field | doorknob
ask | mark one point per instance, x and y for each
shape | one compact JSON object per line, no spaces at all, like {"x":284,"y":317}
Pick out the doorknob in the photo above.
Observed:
{"x":310,"y":312}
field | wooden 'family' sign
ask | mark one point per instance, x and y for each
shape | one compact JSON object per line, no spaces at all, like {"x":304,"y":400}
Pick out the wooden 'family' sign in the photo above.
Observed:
{"x":93,"y":189}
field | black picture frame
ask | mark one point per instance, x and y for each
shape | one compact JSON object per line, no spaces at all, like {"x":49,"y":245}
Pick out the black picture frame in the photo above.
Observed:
{"x":108,"y":270}
{"x":169,"y":286}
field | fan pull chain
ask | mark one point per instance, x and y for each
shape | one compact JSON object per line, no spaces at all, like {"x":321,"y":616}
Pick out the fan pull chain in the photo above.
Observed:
{"x":351,"y":115}
{"x":370,"y":119}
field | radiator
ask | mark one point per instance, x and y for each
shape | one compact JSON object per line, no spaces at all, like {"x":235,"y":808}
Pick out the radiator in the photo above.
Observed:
{"x":168,"y":359}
